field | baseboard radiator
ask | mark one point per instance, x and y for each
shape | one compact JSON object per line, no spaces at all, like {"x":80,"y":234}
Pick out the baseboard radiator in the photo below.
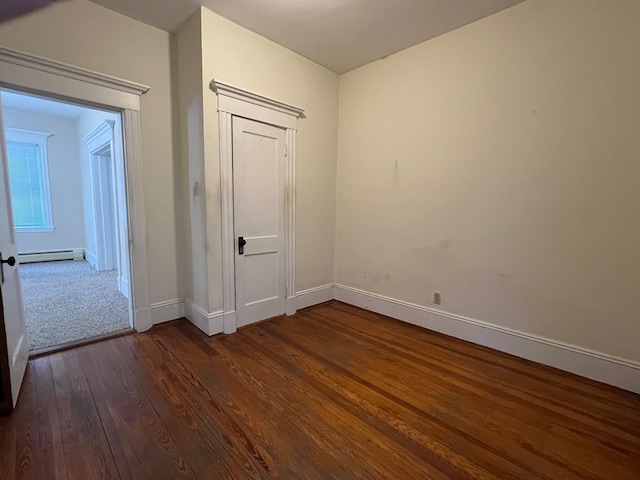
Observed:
{"x":32,"y":257}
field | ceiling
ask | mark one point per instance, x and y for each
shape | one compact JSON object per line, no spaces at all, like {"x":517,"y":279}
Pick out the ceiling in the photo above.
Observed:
{"x":30,"y":103}
{"x":339,"y":34}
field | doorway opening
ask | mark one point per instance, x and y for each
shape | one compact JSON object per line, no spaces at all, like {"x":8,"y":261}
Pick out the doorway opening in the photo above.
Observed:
{"x":67,"y":178}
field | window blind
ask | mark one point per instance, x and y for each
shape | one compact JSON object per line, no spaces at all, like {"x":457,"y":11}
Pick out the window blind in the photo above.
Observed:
{"x":27,"y":188}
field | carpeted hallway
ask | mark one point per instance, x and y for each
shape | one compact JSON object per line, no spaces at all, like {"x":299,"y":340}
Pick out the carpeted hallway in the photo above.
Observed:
{"x":69,"y":300}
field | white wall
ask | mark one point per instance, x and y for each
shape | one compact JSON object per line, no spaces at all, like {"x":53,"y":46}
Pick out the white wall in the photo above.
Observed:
{"x":499,"y":164}
{"x":65,"y":182}
{"x":190,"y":82}
{"x":84,"y":34}
{"x":237,"y":56}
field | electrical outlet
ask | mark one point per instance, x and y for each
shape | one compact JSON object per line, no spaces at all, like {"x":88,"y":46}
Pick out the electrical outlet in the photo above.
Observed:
{"x":436,"y":298}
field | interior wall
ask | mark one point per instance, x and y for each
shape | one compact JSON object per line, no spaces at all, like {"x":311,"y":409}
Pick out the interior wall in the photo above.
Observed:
{"x":498,"y":164}
{"x":237,"y":56}
{"x":65,"y":182}
{"x":188,"y":49}
{"x":88,"y":121}
{"x":87,"y":35}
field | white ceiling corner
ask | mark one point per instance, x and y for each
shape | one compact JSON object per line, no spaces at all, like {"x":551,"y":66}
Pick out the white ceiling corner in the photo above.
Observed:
{"x":338,"y":34}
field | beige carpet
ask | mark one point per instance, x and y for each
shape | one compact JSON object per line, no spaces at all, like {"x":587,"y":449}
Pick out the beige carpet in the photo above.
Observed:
{"x":69,"y":300}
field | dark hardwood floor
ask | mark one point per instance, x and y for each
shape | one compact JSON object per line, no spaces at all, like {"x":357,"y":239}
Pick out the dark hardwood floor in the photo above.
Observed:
{"x":332,"y":392}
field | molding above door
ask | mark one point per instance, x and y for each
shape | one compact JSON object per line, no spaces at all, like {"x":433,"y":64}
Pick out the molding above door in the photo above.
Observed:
{"x":61,"y":69}
{"x":243,"y":103}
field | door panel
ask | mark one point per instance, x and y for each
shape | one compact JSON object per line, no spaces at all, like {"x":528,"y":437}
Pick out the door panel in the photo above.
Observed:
{"x":13,"y":311}
{"x":258,"y":182}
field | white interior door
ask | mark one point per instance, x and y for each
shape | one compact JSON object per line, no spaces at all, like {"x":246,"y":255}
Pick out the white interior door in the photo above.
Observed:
{"x":258,"y":199}
{"x":13,"y":310}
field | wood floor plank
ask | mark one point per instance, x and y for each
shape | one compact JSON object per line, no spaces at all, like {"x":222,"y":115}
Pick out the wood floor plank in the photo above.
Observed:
{"x":8,"y":442}
{"x":215,"y":400}
{"x":119,"y":417}
{"x":334,"y":392}
{"x":272,"y":414}
{"x":198,"y":452}
{"x":347,"y":426}
{"x":86,"y":450}
{"x":394,"y":331}
{"x":513,"y":432}
{"x":500,"y":368}
{"x":27,"y":440}
{"x":50,"y":448}
{"x":209,"y":424}
{"x":388,"y":419}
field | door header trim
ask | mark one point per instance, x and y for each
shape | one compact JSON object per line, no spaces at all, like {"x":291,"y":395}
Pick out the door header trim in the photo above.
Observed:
{"x":70,"y":71}
{"x":243,"y":103}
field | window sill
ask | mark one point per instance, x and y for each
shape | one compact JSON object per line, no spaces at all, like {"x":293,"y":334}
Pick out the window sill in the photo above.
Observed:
{"x":35,"y":230}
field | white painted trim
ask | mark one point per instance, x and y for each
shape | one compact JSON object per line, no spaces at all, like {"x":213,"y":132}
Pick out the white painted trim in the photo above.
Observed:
{"x":571,"y":358}
{"x":90,"y":257}
{"x":137,"y":227}
{"x":102,"y":134}
{"x":230,"y":322}
{"x":25,"y":136}
{"x":228,"y":236}
{"x":123,"y":288}
{"x":68,"y":254}
{"x":315,"y":296}
{"x":225,"y":90}
{"x":166,"y":311}
{"x":96,"y":141}
{"x":233,"y":101}
{"x":61,"y":69}
{"x":290,"y":221}
{"x":210,"y":323}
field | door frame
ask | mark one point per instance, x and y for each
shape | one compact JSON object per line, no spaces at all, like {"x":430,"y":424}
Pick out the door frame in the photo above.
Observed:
{"x":101,"y":201}
{"x":33,"y":74}
{"x":234,"y":101}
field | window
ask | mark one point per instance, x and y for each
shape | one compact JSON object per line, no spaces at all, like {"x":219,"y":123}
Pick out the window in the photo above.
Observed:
{"x":29,"y":180}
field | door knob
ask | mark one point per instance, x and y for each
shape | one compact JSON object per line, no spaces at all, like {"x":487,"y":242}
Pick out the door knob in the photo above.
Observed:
{"x":11,"y":261}
{"x":241,"y":243}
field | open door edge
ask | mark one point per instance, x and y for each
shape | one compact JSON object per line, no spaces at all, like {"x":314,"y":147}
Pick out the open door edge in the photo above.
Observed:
{"x":6,"y":402}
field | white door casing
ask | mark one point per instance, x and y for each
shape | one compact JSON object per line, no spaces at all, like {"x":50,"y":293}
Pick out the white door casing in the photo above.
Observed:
{"x":233,"y":101}
{"x":14,"y":322}
{"x":23,"y":71}
{"x":104,"y":148}
{"x":103,"y":193}
{"x":258,"y":206}
{"x":104,"y":210}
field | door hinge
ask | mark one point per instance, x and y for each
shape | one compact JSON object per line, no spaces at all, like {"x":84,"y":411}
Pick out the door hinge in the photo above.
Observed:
{"x":286,"y":150}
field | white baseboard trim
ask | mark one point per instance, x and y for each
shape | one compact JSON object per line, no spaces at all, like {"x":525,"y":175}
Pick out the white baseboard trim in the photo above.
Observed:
{"x":229,"y":321}
{"x":587,"y":363}
{"x":123,"y":288}
{"x":290,"y":305}
{"x":51,"y":255}
{"x":314,"y":296}
{"x":210,"y":323}
{"x":91,"y":258}
{"x":166,"y":311}
{"x":142,"y":319}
